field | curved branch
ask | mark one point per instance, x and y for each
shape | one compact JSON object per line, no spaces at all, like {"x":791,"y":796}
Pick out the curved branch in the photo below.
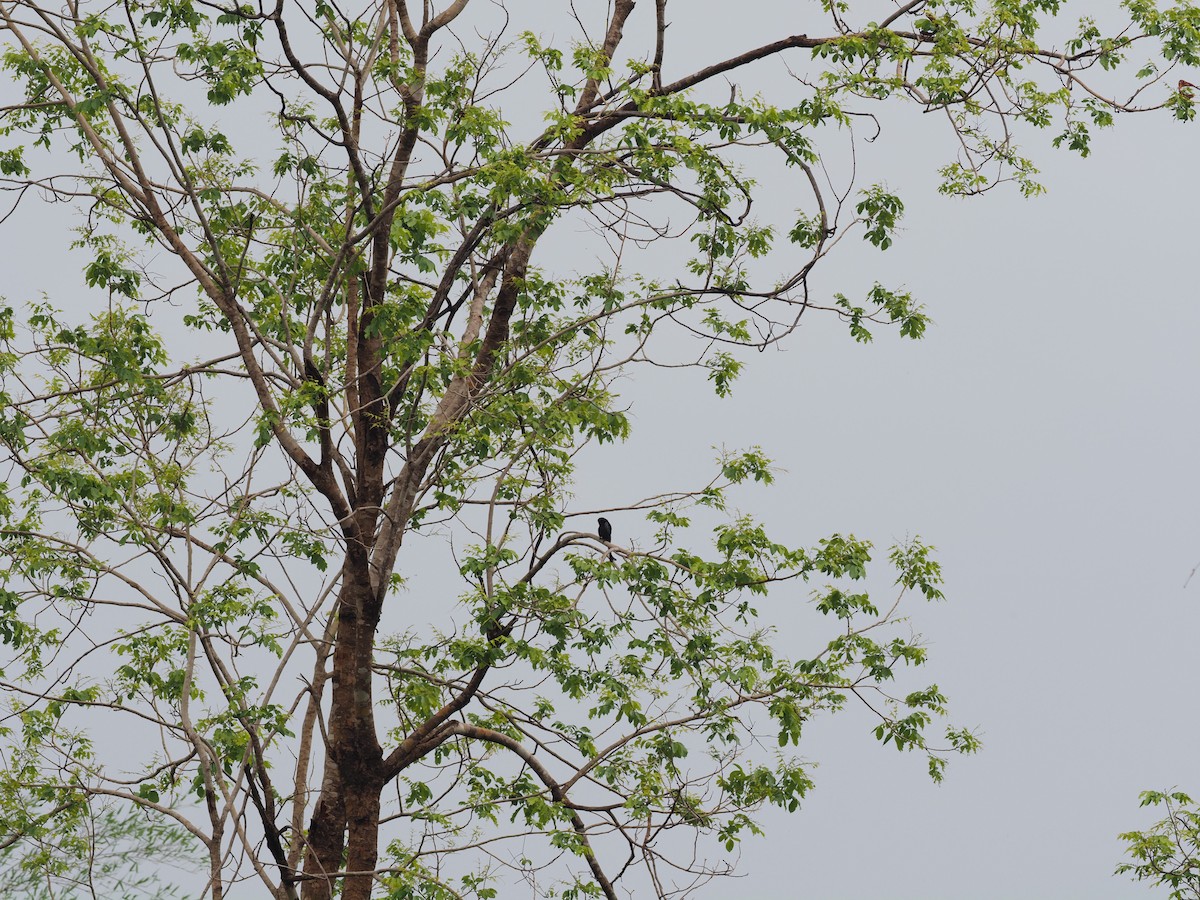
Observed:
{"x":557,"y":792}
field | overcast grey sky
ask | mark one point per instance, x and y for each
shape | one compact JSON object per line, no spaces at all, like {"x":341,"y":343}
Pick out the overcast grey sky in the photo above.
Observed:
{"x":1044,"y":437}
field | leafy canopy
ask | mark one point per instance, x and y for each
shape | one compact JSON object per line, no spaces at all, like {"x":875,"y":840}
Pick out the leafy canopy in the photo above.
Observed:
{"x":289,"y":496}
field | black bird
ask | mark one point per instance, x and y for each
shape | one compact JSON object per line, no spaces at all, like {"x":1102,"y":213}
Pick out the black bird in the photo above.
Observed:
{"x":605,"y":532}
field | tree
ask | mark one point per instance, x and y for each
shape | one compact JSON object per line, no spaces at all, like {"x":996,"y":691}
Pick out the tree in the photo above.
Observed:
{"x":123,"y":854}
{"x":321,"y":350}
{"x":1169,"y":852}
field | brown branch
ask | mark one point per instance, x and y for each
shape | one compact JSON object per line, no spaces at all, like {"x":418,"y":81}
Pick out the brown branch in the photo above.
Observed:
{"x":660,"y":32}
{"x":557,"y":792}
{"x":612,"y":38}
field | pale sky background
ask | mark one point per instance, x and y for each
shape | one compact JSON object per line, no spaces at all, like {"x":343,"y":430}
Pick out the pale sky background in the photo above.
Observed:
{"x":1044,"y":437}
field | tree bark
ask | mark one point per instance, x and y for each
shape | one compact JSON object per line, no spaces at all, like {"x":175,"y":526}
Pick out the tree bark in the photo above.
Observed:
{"x":346,"y":815}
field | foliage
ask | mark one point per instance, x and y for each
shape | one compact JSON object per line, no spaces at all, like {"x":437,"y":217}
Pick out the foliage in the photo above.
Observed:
{"x":1168,"y":853}
{"x":119,"y":854}
{"x":290,"y":486}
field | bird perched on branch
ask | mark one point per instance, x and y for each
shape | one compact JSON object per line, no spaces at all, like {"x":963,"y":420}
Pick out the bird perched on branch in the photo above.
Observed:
{"x":1185,"y":89}
{"x":605,"y":532}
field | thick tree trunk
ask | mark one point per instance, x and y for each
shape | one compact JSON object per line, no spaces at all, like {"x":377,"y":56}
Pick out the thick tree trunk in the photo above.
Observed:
{"x":349,"y":802}
{"x":362,"y":848}
{"x":326,"y":838}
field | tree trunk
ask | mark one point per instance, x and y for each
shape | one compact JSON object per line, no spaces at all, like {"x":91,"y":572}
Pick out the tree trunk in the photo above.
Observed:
{"x":362,"y":848}
{"x":349,"y":801}
{"x":326,"y":837}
